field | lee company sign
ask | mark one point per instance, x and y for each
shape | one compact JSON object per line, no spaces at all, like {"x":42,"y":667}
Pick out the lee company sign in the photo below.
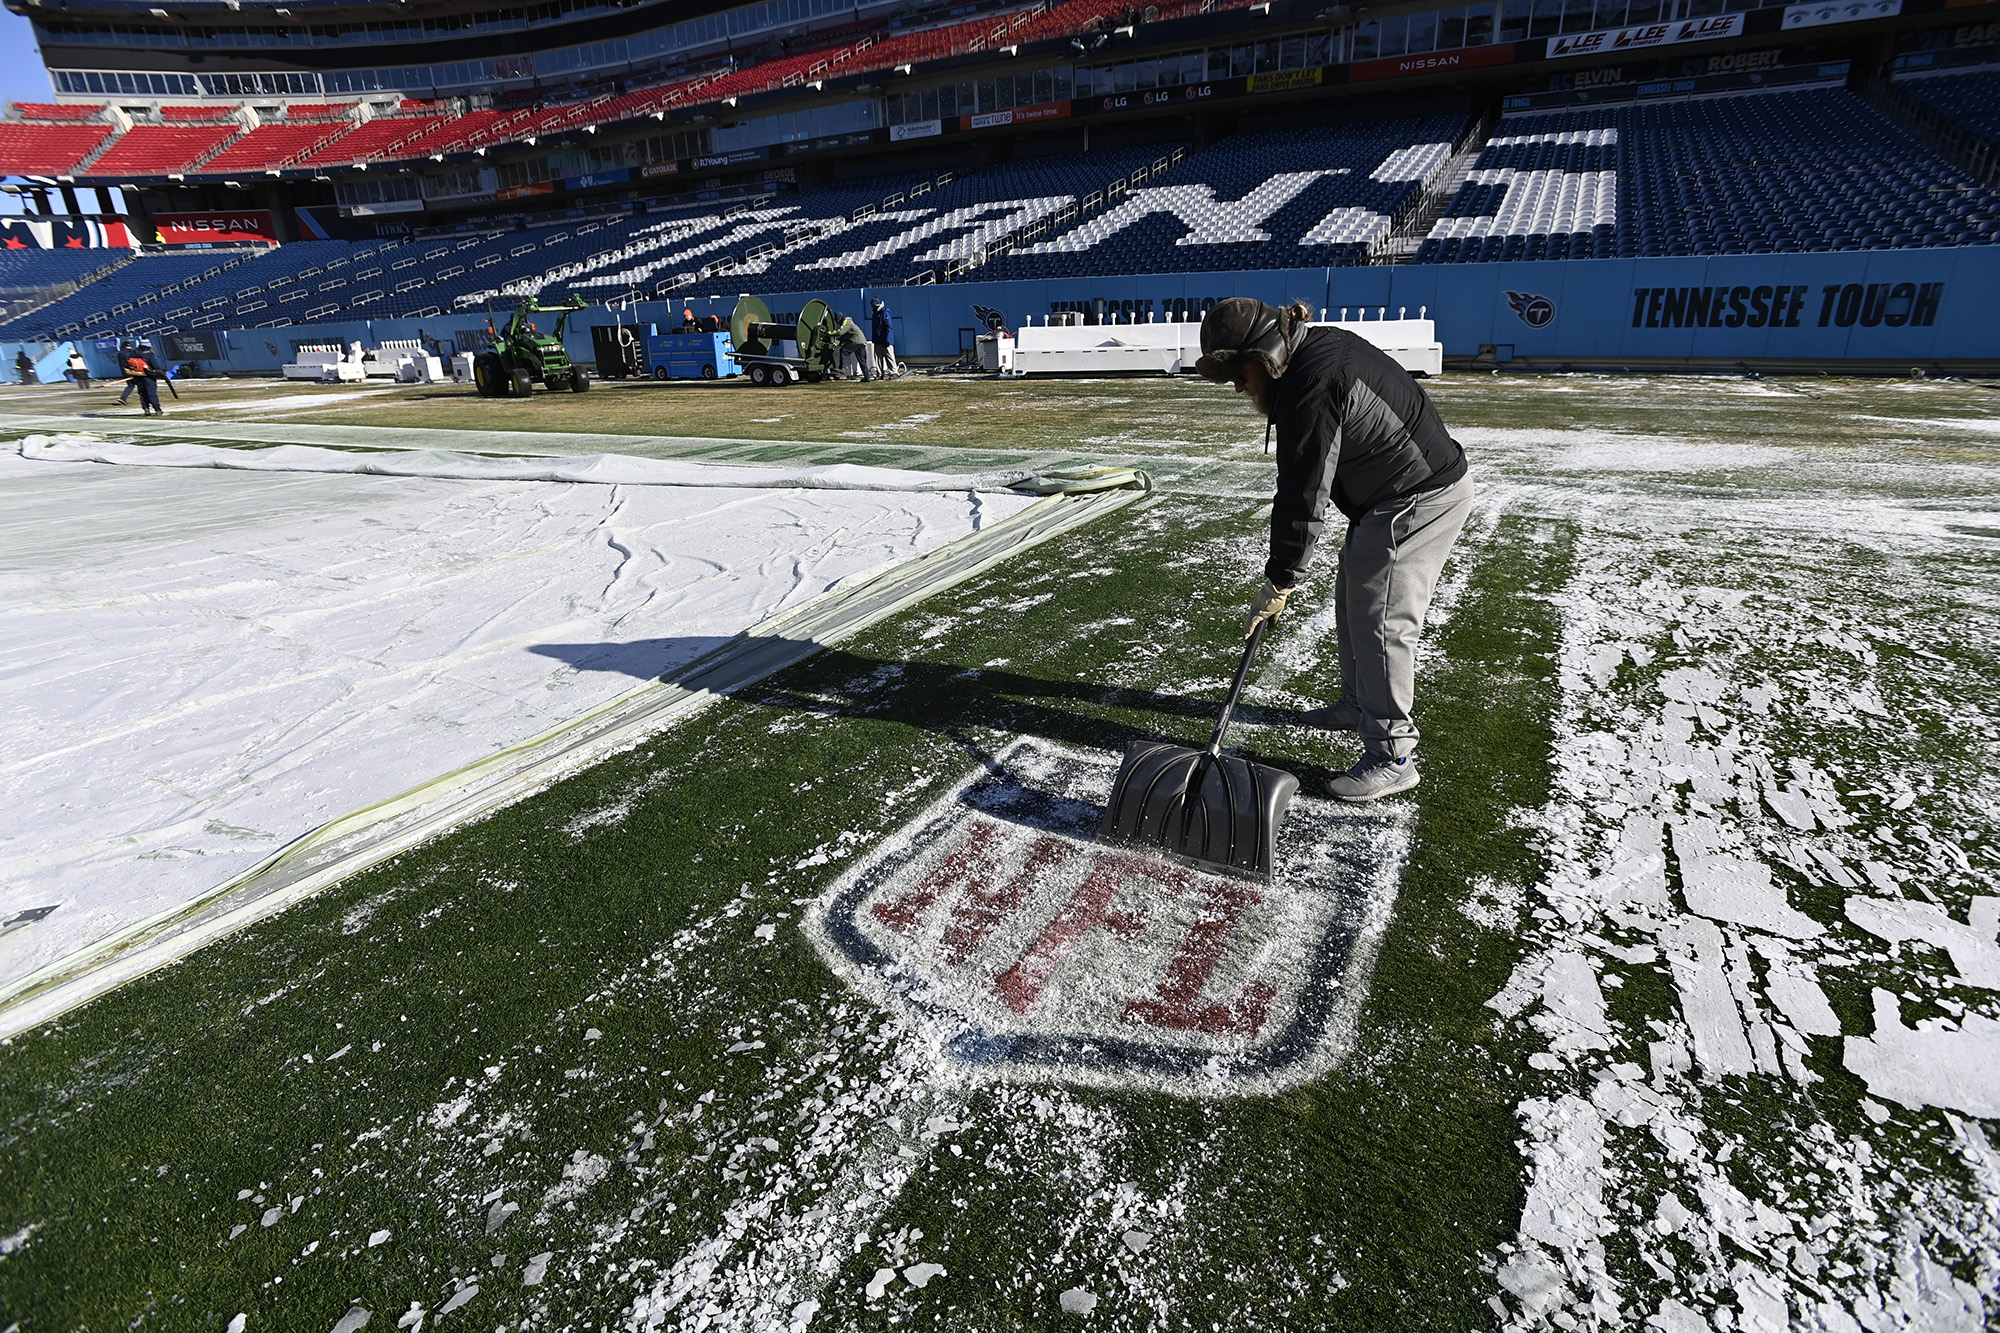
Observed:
{"x":1023,"y":949}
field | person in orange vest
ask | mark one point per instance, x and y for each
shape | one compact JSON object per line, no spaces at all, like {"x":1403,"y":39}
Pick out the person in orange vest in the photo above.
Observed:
{"x":139,"y":375}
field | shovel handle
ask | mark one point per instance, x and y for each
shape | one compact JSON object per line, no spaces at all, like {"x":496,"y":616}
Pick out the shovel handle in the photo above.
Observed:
{"x":1236,"y":686}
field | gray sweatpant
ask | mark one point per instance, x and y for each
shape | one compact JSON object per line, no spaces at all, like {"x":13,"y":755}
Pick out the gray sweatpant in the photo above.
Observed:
{"x":1389,"y":568}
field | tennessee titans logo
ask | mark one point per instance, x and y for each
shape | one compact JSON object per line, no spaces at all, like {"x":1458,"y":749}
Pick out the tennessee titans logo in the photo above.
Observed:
{"x":989,"y":319}
{"x":1537,"y":312}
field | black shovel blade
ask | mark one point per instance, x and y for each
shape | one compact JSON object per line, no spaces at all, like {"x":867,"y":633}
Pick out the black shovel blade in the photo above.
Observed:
{"x":1218,"y":809}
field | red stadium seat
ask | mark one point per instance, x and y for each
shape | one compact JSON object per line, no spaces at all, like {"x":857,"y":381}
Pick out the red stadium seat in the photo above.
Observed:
{"x":162,"y":150}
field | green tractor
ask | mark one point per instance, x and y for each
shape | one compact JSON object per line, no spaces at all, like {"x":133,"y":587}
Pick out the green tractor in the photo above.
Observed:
{"x":522,"y":354}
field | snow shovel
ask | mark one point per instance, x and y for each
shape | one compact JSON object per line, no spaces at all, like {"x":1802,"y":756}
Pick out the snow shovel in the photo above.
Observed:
{"x":1202,"y":804}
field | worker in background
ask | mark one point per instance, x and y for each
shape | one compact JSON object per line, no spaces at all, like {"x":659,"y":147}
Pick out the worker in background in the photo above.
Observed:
{"x":26,"y":367}
{"x":857,"y":355}
{"x":160,"y":373}
{"x":139,"y":376}
{"x":79,"y":369}
{"x":689,"y":324}
{"x":1354,"y":431}
{"x":126,"y":350}
{"x":883,"y":332}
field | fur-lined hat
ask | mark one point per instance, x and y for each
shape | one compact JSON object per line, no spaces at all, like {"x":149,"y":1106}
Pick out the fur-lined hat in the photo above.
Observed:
{"x":1241,"y":329}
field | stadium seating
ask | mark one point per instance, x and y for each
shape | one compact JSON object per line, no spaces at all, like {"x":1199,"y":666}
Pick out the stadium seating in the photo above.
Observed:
{"x":375,"y":141}
{"x":162,"y":150}
{"x":48,"y":150}
{"x":276,"y":144}
{"x":114,"y":303}
{"x":1287,"y":199}
{"x":26,"y":271}
{"x":1787,"y":171}
{"x":1972,"y":99}
{"x":49,"y":111}
{"x":421,"y":129}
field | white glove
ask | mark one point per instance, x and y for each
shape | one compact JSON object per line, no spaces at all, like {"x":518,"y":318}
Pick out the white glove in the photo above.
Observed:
{"x":1269,"y":603}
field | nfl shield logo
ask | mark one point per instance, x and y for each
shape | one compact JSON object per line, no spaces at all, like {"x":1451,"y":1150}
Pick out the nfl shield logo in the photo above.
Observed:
{"x":1023,"y":949}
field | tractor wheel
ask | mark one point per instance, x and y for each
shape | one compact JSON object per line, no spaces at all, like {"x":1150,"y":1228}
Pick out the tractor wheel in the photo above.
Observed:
{"x":708,"y":371}
{"x":488,"y":376}
{"x":784,"y":376}
{"x":524,"y":384}
{"x":578,"y":381}
{"x":659,"y":372}
{"x":760,"y":375}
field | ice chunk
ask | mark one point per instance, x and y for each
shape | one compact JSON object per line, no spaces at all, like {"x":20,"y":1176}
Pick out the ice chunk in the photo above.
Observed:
{"x":272,"y":1214}
{"x":879,"y":1284}
{"x":413,"y":1318}
{"x":1565,"y":1204}
{"x":497,"y":1215}
{"x":766,"y":932}
{"x":1522,"y":986}
{"x":920,"y":1275}
{"x":1729,"y":887}
{"x":1137,"y":1241}
{"x":1932,"y":1067}
{"x":1695,"y":955}
{"x":1692,"y":685}
{"x":802,"y":1316}
{"x":378,"y":1238}
{"x":238,"y":1324}
{"x":537,"y":1269}
{"x":1671,"y":1215}
{"x":1794,"y":989}
{"x":1077,"y":1301}
{"x":1533,"y":1279}
{"x":459,"y":1297}
{"x":1791,"y":807}
{"x":1674,"y":1317}
{"x":352,"y":1322}
{"x":1575,"y":1019}
{"x":1971,"y":945}
{"x":592,"y":1034}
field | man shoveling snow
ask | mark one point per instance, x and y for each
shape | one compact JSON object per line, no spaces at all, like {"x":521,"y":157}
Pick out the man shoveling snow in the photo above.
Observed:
{"x":1355,"y":430}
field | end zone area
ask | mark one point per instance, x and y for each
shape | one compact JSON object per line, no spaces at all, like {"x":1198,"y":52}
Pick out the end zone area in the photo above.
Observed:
{"x":1680,"y":1010}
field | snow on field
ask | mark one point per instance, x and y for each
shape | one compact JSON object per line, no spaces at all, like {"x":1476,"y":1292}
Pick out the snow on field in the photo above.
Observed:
{"x":1738,"y":732}
{"x":204,"y":664}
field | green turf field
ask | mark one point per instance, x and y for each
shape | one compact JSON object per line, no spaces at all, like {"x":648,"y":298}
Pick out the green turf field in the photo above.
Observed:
{"x":1709,"y":706}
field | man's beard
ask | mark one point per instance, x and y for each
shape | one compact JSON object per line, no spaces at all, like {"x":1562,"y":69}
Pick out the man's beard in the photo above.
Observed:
{"x":1258,"y":391}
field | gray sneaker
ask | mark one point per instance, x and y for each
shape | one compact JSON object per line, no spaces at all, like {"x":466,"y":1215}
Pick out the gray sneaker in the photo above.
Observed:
{"x":1340,"y":715}
{"x":1376,"y":776}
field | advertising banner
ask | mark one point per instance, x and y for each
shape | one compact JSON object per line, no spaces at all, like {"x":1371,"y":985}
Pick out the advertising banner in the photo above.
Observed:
{"x":1646,"y":35}
{"x":385,"y":206}
{"x":1839,"y":11}
{"x":1431,"y":62}
{"x":64,"y":233}
{"x":193,"y":347}
{"x":243,"y":224}
{"x":660,"y":169}
{"x":1020,"y":115}
{"x":915,"y":129}
{"x":1157,"y":97}
{"x":615,"y":176}
{"x":526,"y":191}
{"x":1284,"y":81}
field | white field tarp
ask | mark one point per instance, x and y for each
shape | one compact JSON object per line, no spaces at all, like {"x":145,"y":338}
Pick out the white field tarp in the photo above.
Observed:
{"x":204,"y":663}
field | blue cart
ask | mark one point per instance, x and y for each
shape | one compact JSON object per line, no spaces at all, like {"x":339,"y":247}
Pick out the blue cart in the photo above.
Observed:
{"x":689,"y":356}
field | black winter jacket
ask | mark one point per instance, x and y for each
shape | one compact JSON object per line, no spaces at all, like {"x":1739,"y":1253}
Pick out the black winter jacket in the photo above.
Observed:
{"x":1353,"y":428}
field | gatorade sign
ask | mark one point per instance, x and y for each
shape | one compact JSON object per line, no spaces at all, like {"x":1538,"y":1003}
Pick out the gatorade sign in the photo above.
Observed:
{"x":247,"y":224}
{"x":1024,"y":949}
